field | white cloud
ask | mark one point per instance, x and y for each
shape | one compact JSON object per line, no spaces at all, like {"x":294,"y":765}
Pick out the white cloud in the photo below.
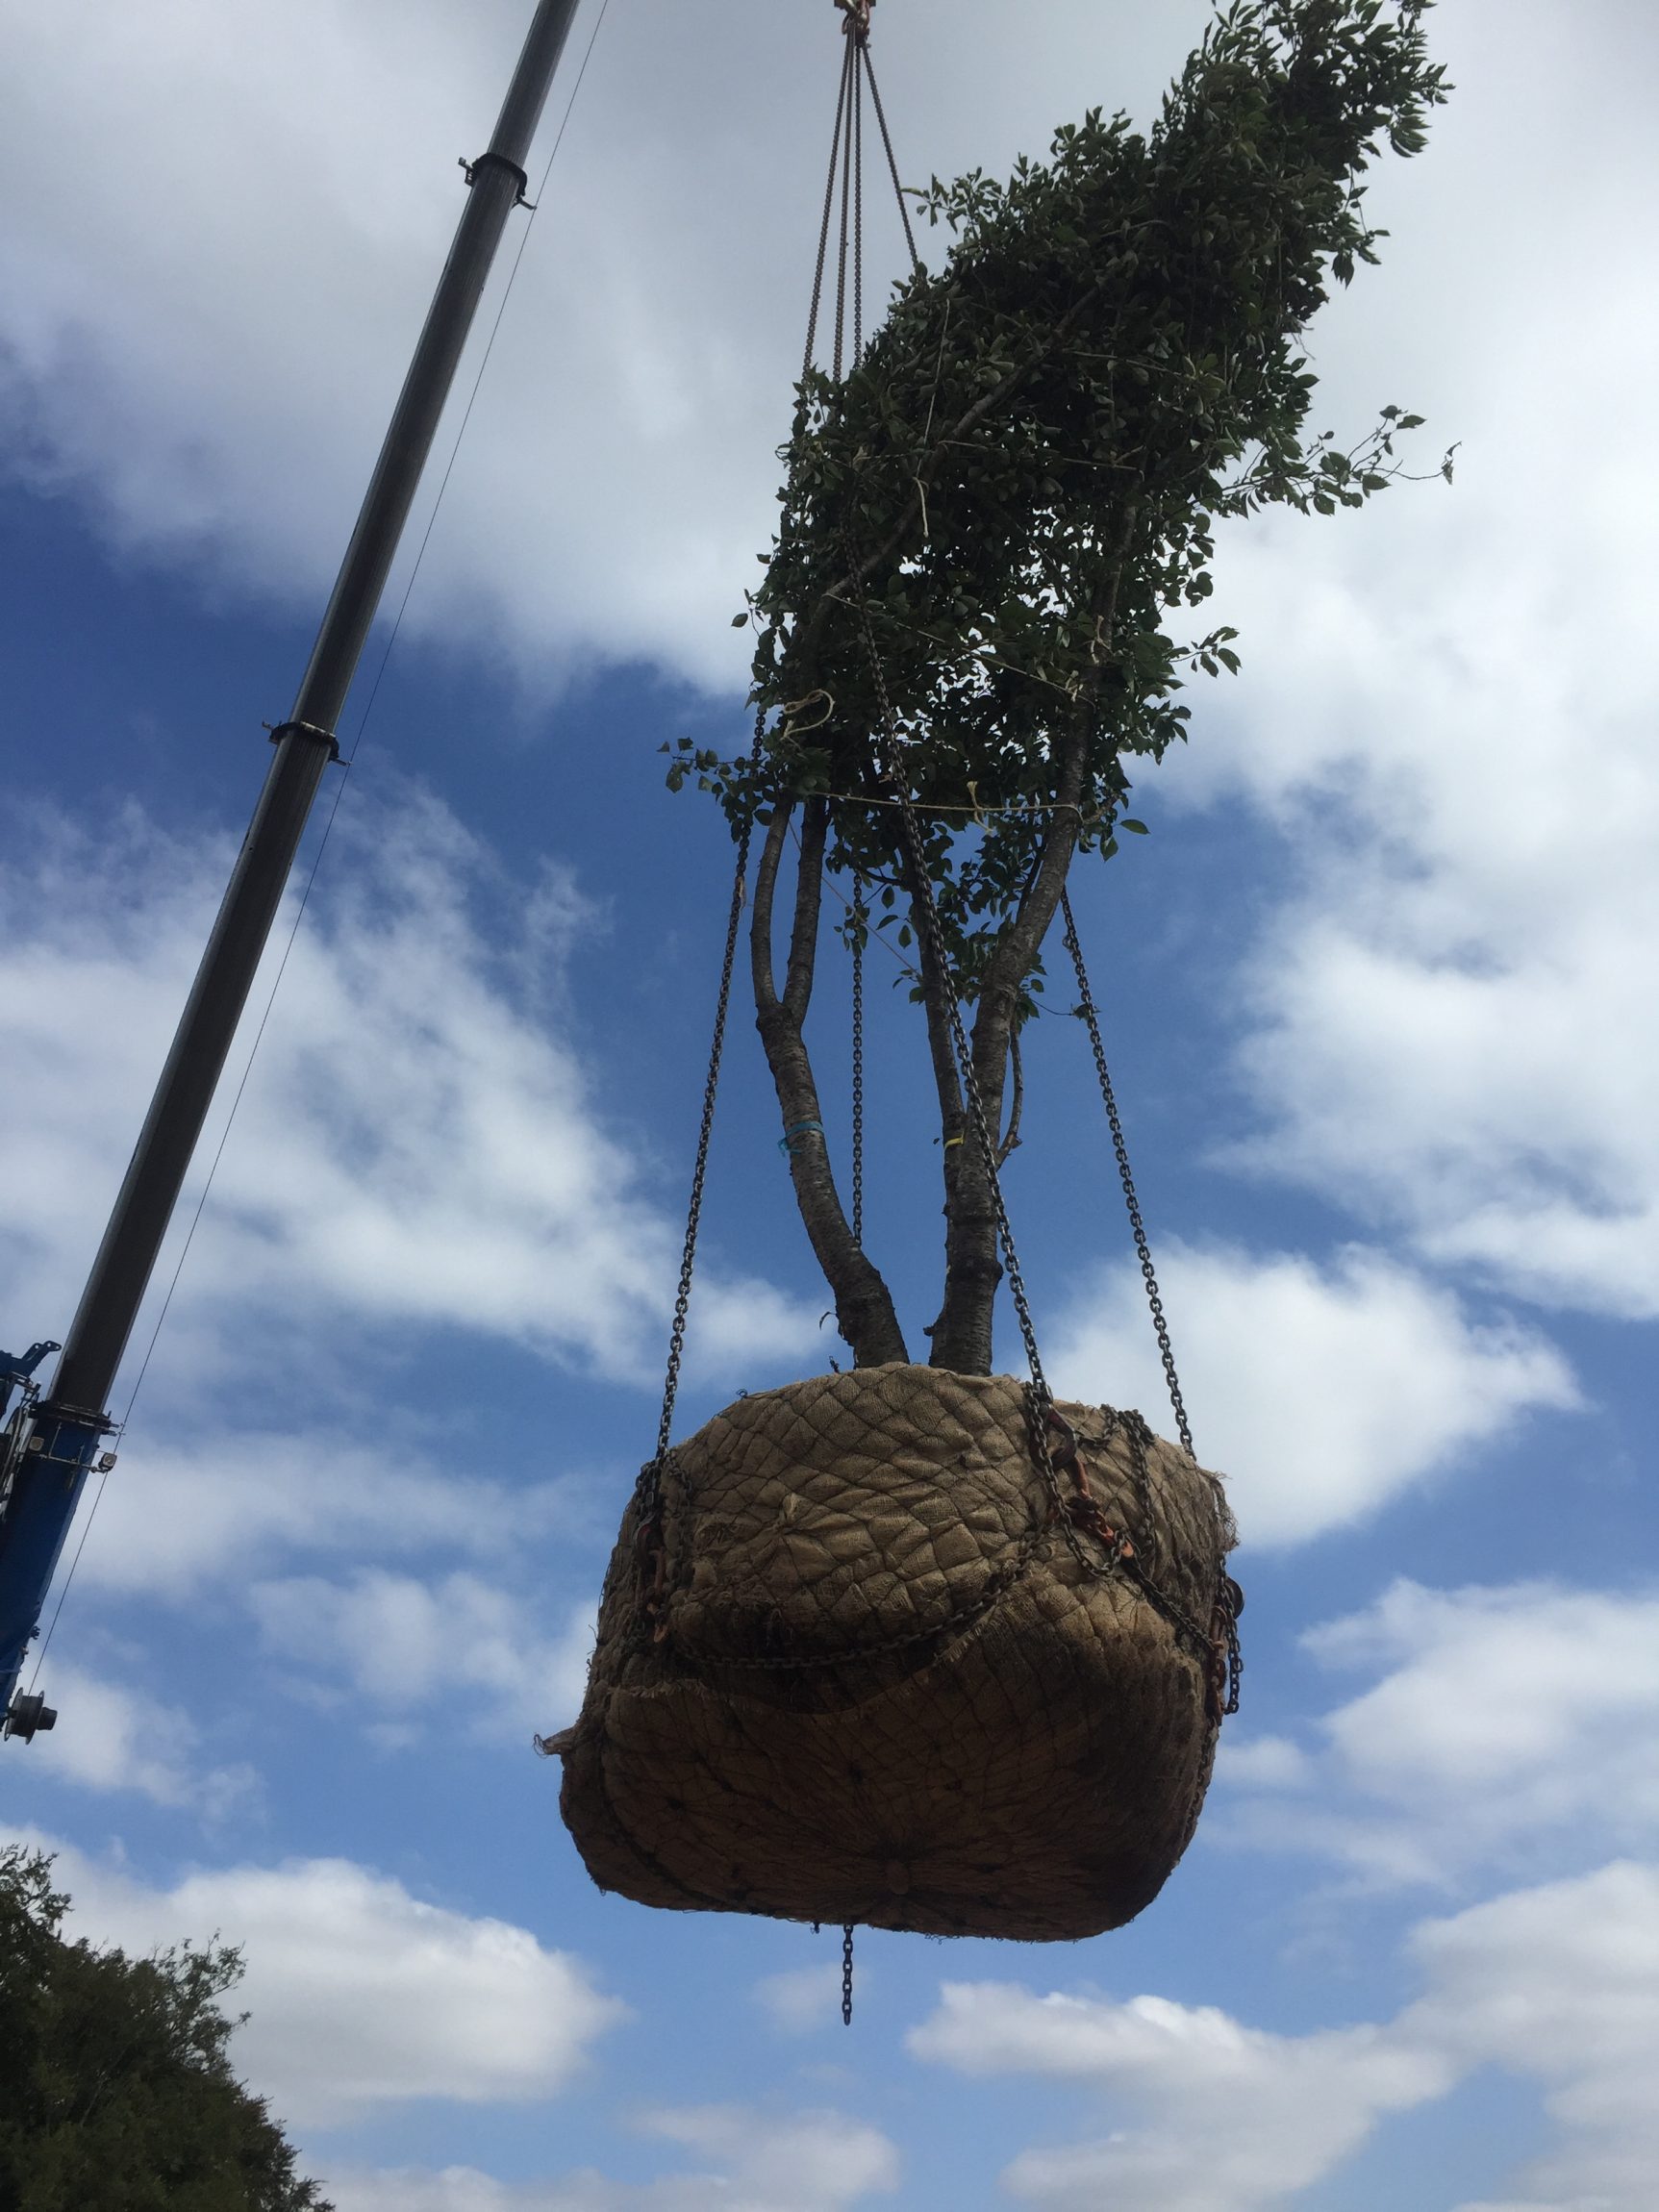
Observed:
{"x":359,"y":1994}
{"x":1494,"y":1685}
{"x":1454,"y":1032}
{"x":108,"y":1737}
{"x":417,"y":1145}
{"x":1454,"y":1029}
{"x":1513,"y":1724}
{"x":155,"y":339}
{"x":1234,"y":2116}
{"x":100,"y":944}
{"x":1447,"y":1017}
{"x":401,"y":1643}
{"x":414,"y":1146}
{"x":1558,"y":1984}
{"x":175,"y":1518}
{"x":813,"y":2160}
{"x":1321,"y":1391}
{"x":802,"y":2162}
{"x":1263,"y":1763}
{"x":1562,"y":1984}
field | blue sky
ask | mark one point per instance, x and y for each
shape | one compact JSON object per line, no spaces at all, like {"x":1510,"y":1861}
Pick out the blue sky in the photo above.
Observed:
{"x":1378,"y":993}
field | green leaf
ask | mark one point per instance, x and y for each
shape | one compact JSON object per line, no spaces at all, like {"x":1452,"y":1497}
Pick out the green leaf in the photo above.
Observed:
{"x":1169,"y":390}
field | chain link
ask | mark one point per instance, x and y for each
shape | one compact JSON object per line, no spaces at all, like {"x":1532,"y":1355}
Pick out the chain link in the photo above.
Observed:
{"x":847,"y":66}
{"x":860,"y":923}
{"x":848,"y":145}
{"x":1223,"y":1637}
{"x":856,"y":139}
{"x":1224,"y":1627}
{"x":1092,"y":1019}
{"x":985,"y":1143}
{"x":650,"y":1478}
{"x":892,"y":162}
{"x":1039,"y":1398}
{"x":845,"y":197}
{"x":846,"y":152}
{"x":846,"y":162}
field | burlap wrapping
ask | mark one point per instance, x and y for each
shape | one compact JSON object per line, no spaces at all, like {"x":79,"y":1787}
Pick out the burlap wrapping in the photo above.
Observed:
{"x":862,"y":1670}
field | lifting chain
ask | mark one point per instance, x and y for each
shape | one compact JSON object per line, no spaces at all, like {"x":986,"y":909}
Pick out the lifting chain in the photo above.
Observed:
{"x":1092,"y":1019}
{"x":846,"y":152}
{"x":1221,"y":1638}
{"x":1229,"y":1599}
{"x":846,"y":74}
{"x":1039,"y":1398}
{"x":651,"y":1475}
{"x":846,"y":167}
{"x":860,"y":925}
{"x":846,"y":1975}
{"x":847,"y":145}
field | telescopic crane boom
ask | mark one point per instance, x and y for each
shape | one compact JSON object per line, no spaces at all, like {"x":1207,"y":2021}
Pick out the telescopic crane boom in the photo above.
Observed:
{"x":54,"y":1437}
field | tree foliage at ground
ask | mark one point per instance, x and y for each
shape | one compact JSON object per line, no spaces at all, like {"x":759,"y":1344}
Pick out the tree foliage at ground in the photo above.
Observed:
{"x":993,"y":526}
{"x":119,"y":2094}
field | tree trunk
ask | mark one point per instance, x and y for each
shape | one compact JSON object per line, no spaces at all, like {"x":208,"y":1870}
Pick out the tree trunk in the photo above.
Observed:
{"x":963,"y":1335}
{"x":863,"y":1305}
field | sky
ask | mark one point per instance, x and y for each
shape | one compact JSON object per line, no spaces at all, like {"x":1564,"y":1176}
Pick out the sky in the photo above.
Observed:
{"x":1378,"y":995}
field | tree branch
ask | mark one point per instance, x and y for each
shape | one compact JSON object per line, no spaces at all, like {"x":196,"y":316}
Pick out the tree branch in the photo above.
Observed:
{"x":963,"y":1334}
{"x":926,"y":466}
{"x":809,"y":898}
{"x":863,"y":1305}
{"x":1010,"y":1140}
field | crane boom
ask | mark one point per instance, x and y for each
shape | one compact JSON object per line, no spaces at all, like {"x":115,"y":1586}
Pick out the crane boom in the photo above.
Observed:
{"x":52,"y":1439}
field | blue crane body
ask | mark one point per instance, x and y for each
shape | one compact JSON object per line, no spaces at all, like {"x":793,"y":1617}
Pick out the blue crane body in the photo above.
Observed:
{"x":54,"y":1435}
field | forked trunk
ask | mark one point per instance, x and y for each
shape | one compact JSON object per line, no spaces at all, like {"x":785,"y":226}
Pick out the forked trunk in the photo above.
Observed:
{"x":963,"y":1335}
{"x":863,"y":1305}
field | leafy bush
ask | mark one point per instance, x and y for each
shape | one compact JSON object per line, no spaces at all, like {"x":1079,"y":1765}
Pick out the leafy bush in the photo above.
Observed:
{"x":119,"y":2093}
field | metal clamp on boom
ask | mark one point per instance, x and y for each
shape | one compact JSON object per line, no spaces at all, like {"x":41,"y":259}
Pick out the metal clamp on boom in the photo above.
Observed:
{"x":495,"y":161}
{"x":49,"y":1448}
{"x":280,"y":730}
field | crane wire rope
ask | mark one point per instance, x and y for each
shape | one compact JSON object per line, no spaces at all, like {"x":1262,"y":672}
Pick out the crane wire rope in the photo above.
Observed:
{"x":348,"y":762}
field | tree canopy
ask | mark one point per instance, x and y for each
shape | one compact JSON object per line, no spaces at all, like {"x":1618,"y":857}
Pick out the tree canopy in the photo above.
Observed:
{"x":119,"y":2093}
{"x":988,"y":523}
